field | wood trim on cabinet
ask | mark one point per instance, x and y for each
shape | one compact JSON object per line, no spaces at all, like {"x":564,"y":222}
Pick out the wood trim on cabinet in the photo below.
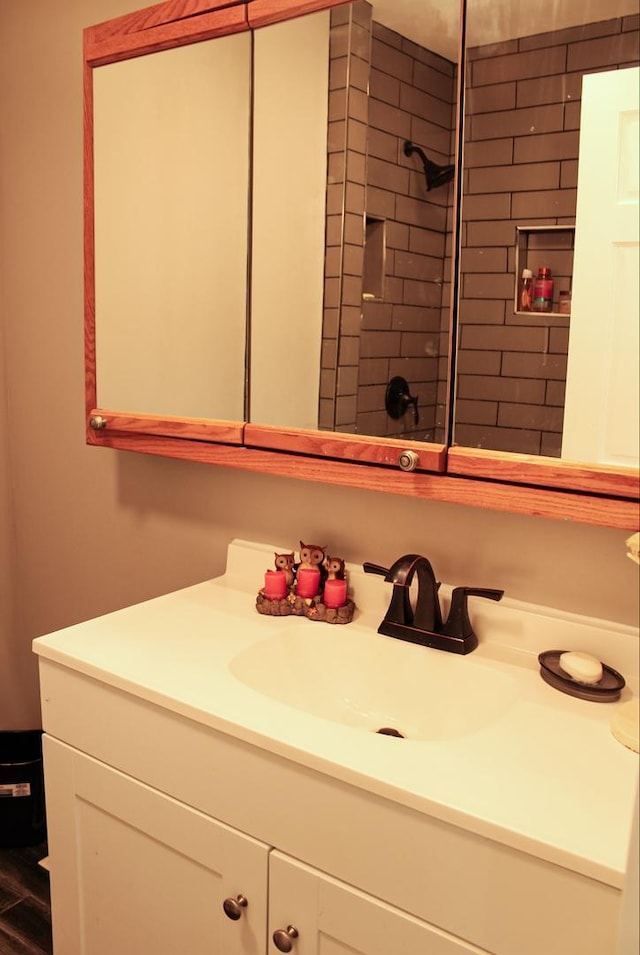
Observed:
{"x":492,"y":495}
{"x":264,"y":12}
{"x":90,"y":373}
{"x":354,"y":447}
{"x":194,"y":429}
{"x":158,"y":14}
{"x":543,"y":472}
{"x":164,"y":26}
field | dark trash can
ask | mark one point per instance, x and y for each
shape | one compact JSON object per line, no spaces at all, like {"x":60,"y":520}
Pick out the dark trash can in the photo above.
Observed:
{"x":22,"y":812}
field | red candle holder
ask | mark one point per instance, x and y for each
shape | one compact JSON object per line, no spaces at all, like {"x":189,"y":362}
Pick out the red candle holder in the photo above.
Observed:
{"x":275,"y":585}
{"x":307,"y":582}
{"x":335,"y":594}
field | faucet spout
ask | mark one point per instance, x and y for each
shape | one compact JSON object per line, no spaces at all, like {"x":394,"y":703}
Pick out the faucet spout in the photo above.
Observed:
{"x":427,"y":615}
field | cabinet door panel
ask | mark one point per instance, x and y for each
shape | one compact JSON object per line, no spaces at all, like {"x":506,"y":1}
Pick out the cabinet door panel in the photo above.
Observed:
{"x":149,"y":874}
{"x":334,"y":919}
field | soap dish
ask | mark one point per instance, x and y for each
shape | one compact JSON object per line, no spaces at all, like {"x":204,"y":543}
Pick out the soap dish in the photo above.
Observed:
{"x":606,"y":690}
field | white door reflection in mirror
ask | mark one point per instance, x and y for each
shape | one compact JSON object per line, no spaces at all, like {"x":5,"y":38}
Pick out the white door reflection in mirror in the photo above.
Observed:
{"x":291,"y":63}
{"x":602,"y":399}
{"x":171,"y":160}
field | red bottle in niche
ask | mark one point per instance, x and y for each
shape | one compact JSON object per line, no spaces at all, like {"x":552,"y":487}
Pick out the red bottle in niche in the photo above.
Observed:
{"x":543,"y":291}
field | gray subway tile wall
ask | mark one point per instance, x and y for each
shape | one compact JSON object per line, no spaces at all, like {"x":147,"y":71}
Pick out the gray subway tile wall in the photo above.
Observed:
{"x":402,"y":328}
{"x":521,"y":162}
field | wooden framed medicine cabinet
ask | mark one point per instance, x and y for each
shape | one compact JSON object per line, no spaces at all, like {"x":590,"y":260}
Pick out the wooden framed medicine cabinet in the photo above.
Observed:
{"x":237,"y":437}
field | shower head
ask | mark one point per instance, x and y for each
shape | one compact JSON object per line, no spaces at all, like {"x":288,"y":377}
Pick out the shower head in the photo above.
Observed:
{"x":435,"y":175}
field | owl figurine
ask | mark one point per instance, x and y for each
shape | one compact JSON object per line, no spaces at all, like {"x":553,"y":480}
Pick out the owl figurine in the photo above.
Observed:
{"x":285,"y":562}
{"x":311,"y":556}
{"x":334,"y":567}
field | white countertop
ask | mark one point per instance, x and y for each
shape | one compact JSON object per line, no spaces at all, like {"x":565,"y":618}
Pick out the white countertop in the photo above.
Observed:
{"x":548,"y":778}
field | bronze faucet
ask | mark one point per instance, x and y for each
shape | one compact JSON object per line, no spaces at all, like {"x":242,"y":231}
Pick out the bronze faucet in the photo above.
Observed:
{"x":424,"y":625}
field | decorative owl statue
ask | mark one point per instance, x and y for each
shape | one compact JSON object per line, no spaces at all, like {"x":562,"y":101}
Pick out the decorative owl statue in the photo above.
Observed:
{"x":334,"y":567}
{"x":285,"y":562}
{"x":311,"y":556}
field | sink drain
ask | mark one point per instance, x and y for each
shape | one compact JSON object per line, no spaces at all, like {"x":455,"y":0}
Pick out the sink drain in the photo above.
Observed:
{"x":390,"y":731}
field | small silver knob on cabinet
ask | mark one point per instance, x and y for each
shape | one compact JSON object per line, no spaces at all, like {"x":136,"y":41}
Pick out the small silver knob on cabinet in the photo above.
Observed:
{"x":282,"y":939}
{"x":408,"y":460}
{"x":97,"y":422}
{"x":233,"y":907}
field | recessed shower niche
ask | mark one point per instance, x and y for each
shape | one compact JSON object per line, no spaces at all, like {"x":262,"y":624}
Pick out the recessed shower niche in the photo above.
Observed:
{"x":548,"y":246}
{"x":374,"y":260}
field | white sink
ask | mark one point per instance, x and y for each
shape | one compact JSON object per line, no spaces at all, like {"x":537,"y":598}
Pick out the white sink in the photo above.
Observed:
{"x":372,"y":682}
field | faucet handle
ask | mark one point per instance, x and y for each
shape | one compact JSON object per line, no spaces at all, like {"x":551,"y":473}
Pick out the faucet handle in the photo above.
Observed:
{"x":458,"y":623}
{"x":370,"y":568}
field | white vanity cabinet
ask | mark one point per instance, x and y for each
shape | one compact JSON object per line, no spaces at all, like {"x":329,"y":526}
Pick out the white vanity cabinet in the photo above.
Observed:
{"x":171,"y":787}
{"x":138,"y":872}
{"x":155,"y":819}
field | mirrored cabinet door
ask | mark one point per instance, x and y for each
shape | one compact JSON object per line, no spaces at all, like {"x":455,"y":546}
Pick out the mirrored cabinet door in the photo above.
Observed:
{"x":167,"y":138}
{"x":373,"y":342}
{"x":171,"y":159}
{"x":528,"y":162}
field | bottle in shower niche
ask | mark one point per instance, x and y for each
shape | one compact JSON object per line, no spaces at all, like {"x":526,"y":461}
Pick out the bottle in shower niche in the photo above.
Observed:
{"x":525,"y":300}
{"x":543,"y":291}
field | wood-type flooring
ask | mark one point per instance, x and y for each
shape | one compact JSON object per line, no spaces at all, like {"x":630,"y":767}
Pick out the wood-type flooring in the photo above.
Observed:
{"x":25,"y":910}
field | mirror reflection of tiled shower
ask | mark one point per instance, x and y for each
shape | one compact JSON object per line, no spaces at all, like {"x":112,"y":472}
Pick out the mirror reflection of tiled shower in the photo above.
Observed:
{"x":388,"y":238}
{"x":522,"y":131}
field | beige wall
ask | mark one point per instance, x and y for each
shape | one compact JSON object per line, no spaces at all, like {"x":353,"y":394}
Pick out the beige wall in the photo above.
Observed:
{"x":95,"y":529}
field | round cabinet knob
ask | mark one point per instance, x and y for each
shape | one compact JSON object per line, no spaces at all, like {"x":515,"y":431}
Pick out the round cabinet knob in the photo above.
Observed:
{"x":283,"y":939}
{"x":97,"y":422}
{"x":233,"y":907}
{"x":408,"y":460}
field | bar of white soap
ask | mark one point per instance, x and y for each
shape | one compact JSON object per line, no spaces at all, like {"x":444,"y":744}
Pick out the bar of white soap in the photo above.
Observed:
{"x":582,"y":667}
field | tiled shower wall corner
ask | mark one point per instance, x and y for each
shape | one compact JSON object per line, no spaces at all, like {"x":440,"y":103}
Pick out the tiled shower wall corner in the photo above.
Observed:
{"x":403,"y":329}
{"x":404,"y":332}
{"x":521,"y":163}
